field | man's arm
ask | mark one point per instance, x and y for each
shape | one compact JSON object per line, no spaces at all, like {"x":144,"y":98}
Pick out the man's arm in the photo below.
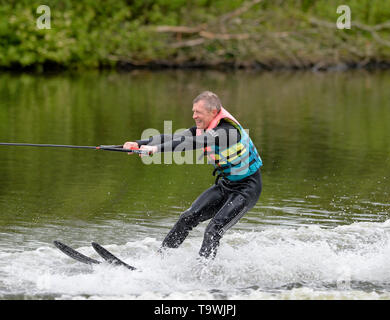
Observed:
{"x":160,"y":140}
{"x":224,"y":135}
{"x":163,"y":138}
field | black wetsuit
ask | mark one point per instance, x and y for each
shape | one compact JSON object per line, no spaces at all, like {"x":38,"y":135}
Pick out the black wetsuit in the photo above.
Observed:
{"x":224,"y":203}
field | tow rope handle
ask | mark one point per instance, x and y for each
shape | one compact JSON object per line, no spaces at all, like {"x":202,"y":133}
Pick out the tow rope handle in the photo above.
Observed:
{"x":120,"y":149}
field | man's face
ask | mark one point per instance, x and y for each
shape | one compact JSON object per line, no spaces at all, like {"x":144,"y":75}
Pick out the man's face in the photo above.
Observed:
{"x":202,"y":116}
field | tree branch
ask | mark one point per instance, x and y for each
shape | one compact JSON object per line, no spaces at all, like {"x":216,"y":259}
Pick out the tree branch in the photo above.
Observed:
{"x":239,"y":11}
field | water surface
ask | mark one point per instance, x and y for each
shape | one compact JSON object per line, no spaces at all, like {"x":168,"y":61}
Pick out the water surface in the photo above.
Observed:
{"x":320,"y":229}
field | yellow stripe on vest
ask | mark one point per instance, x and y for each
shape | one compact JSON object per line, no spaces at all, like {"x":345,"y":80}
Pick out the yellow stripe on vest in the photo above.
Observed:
{"x":233,"y":149}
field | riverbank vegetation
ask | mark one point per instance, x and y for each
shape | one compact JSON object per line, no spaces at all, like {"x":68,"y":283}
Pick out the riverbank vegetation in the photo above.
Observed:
{"x":263,"y":34}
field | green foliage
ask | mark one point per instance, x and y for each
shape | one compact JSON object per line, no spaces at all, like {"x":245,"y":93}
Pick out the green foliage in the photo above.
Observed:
{"x":101,"y":33}
{"x":82,"y":34}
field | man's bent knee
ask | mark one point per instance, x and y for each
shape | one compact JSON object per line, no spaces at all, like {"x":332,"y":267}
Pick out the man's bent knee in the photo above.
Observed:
{"x":180,"y":230}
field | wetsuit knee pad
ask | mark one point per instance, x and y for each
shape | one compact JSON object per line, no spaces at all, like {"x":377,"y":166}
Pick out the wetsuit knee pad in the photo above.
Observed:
{"x":230,"y":215}
{"x":180,"y":230}
{"x":187,"y":218}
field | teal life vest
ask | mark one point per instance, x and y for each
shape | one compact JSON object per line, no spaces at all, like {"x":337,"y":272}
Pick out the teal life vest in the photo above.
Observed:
{"x":235,"y":162}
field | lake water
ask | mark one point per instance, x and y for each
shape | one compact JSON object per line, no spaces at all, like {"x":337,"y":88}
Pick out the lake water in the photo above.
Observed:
{"x":321,"y":229}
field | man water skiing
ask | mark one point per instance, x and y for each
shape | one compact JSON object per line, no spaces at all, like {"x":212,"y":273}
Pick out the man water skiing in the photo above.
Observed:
{"x":237,"y":165}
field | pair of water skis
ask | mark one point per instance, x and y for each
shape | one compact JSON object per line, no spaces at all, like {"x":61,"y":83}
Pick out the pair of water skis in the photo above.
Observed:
{"x":104,"y":253}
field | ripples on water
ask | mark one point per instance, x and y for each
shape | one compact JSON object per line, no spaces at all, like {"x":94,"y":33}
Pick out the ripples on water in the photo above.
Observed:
{"x":301,"y":212}
{"x":320,"y":230}
{"x":349,"y":261}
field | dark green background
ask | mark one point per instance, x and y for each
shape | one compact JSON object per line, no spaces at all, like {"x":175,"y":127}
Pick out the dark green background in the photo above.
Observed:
{"x":324,"y":140}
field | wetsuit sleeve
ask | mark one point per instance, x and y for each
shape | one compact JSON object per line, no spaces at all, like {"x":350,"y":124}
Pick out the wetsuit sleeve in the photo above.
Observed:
{"x":224,"y":135}
{"x":167,"y":138}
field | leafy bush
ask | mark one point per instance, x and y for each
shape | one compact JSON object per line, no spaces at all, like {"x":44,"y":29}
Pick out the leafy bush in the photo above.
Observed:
{"x":103,"y":33}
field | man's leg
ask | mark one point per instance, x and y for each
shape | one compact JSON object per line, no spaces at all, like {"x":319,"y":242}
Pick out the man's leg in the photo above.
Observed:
{"x":203,"y":208}
{"x":239,"y":202}
{"x":232,"y":211}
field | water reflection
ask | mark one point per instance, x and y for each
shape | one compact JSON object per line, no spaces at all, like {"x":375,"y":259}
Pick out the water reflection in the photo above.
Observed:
{"x":323,"y":139}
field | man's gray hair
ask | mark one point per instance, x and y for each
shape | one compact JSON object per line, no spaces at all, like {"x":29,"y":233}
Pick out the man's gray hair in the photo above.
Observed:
{"x":211,"y":100}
